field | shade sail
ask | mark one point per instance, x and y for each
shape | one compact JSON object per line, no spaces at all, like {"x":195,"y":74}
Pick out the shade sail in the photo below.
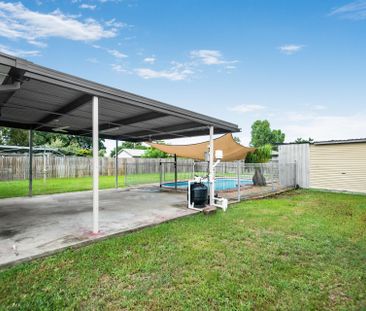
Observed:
{"x":231,"y":149}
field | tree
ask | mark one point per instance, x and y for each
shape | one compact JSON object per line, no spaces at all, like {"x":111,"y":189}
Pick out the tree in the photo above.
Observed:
{"x":154,"y":153}
{"x":237,"y":139}
{"x":3,"y":135}
{"x":68,"y":144}
{"x":261,"y":155}
{"x":303,"y":141}
{"x":262,"y":134}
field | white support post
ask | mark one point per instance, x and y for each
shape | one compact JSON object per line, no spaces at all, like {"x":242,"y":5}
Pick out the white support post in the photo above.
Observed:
{"x":116,"y":164}
{"x":30,"y":185}
{"x":95,"y":105}
{"x":238,"y":176}
{"x":211,"y":176}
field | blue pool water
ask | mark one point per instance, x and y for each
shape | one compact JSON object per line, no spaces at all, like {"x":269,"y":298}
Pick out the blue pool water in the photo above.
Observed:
{"x":220,"y":184}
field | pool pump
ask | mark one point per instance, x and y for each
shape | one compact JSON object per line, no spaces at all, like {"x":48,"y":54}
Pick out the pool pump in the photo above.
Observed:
{"x":198,"y":195}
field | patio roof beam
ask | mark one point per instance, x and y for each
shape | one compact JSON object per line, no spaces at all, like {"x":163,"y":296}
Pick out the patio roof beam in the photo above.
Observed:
{"x":75,"y":104}
{"x":132,"y":120}
{"x":11,"y":84}
{"x":161,"y":130}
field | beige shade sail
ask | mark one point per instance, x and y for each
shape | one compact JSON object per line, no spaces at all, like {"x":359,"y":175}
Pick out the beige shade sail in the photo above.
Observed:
{"x":231,"y":149}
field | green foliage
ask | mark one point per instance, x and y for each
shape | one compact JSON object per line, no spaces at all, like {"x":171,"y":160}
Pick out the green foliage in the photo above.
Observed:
{"x":261,"y":155}
{"x":262,"y":134}
{"x":128,"y":145}
{"x":15,"y":137}
{"x":304,"y":250}
{"x":303,"y":141}
{"x":237,"y":139}
{"x":3,"y":135}
{"x":67,"y":144}
{"x":154,"y":153}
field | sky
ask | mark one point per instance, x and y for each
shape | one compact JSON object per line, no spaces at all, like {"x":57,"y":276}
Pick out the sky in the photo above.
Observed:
{"x":299,"y":64}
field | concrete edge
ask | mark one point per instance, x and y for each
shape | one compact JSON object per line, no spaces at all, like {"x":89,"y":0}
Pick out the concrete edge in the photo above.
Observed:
{"x":77,"y":245}
{"x":80,"y":244}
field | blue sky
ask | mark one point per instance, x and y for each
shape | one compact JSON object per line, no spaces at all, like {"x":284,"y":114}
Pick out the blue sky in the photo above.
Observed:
{"x":299,"y":64}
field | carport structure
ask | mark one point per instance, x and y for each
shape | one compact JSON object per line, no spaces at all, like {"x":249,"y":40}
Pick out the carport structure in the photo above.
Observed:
{"x":37,"y":98}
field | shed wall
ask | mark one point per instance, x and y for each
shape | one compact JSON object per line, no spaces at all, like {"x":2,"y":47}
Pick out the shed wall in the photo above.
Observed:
{"x":339,"y":167}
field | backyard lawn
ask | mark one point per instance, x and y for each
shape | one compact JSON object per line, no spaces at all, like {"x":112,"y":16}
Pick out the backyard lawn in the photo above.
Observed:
{"x":304,"y":250}
{"x":18,"y":188}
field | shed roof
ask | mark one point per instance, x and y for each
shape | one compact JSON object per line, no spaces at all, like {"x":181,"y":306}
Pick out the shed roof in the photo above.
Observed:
{"x":341,"y":141}
{"x":39,"y":98}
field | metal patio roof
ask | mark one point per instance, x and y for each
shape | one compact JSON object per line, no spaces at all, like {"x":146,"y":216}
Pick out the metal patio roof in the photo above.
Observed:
{"x":39,"y":98}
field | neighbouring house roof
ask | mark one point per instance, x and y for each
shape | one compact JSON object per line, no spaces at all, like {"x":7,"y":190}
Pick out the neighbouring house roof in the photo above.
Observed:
{"x":24,"y":149}
{"x":344,"y":141}
{"x":134,"y":153}
{"x":232,"y":150}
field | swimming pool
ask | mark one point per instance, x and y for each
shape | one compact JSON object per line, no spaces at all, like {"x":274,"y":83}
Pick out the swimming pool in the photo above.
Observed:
{"x":220,"y":184}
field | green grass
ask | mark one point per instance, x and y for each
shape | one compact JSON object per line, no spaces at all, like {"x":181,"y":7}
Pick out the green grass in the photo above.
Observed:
{"x":304,"y":250}
{"x":19,"y":188}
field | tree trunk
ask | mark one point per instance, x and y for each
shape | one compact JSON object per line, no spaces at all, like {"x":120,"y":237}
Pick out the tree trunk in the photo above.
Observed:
{"x":258,"y":178}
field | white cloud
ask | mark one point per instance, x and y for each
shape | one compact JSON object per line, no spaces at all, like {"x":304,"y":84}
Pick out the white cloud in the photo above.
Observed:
{"x":87,"y":6}
{"x":354,"y":10}
{"x":326,"y":127}
{"x":119,"y":68}
{"x":116,"y":53}
{"x":290,"y":49}
{"x":150,"y":60}
{"x":113,"y":52}
{"x":92,"y":60}
{"x":19,"y":53}
{"x":18,"y":22}
{"x":177,"y":72}
{"x":318,"y":107}
{"x":210,"y":57}
{"x":247,"y":108}
{"x":115,"y":24}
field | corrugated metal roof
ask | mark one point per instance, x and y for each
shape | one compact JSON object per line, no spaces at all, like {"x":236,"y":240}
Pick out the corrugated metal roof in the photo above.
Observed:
{"x":344,"y":141}
{"x":48,"y":100}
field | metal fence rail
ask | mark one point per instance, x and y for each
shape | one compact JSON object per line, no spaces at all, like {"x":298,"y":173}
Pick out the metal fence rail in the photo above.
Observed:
{"x":234,"y":180}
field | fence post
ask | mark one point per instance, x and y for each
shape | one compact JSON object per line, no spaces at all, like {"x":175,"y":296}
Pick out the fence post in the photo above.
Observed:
{"x":160,"y":173}
{"x":116,"y":165}
{"x":295,"y":177}
{"x":125,"y":175}
{"x":175,"y":172}
{"x":272,"y":179}
{"x":44,"y":167}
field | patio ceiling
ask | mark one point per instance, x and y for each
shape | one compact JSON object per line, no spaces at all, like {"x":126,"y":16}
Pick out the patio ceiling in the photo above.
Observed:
{"x":39,"y":98}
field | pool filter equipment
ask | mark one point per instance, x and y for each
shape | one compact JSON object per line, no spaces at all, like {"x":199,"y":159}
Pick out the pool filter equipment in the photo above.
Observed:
{"x":197,"y":193}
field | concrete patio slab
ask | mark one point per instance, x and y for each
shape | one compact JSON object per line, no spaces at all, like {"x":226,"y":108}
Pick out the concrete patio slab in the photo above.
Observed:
{"x":33,"y":227}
